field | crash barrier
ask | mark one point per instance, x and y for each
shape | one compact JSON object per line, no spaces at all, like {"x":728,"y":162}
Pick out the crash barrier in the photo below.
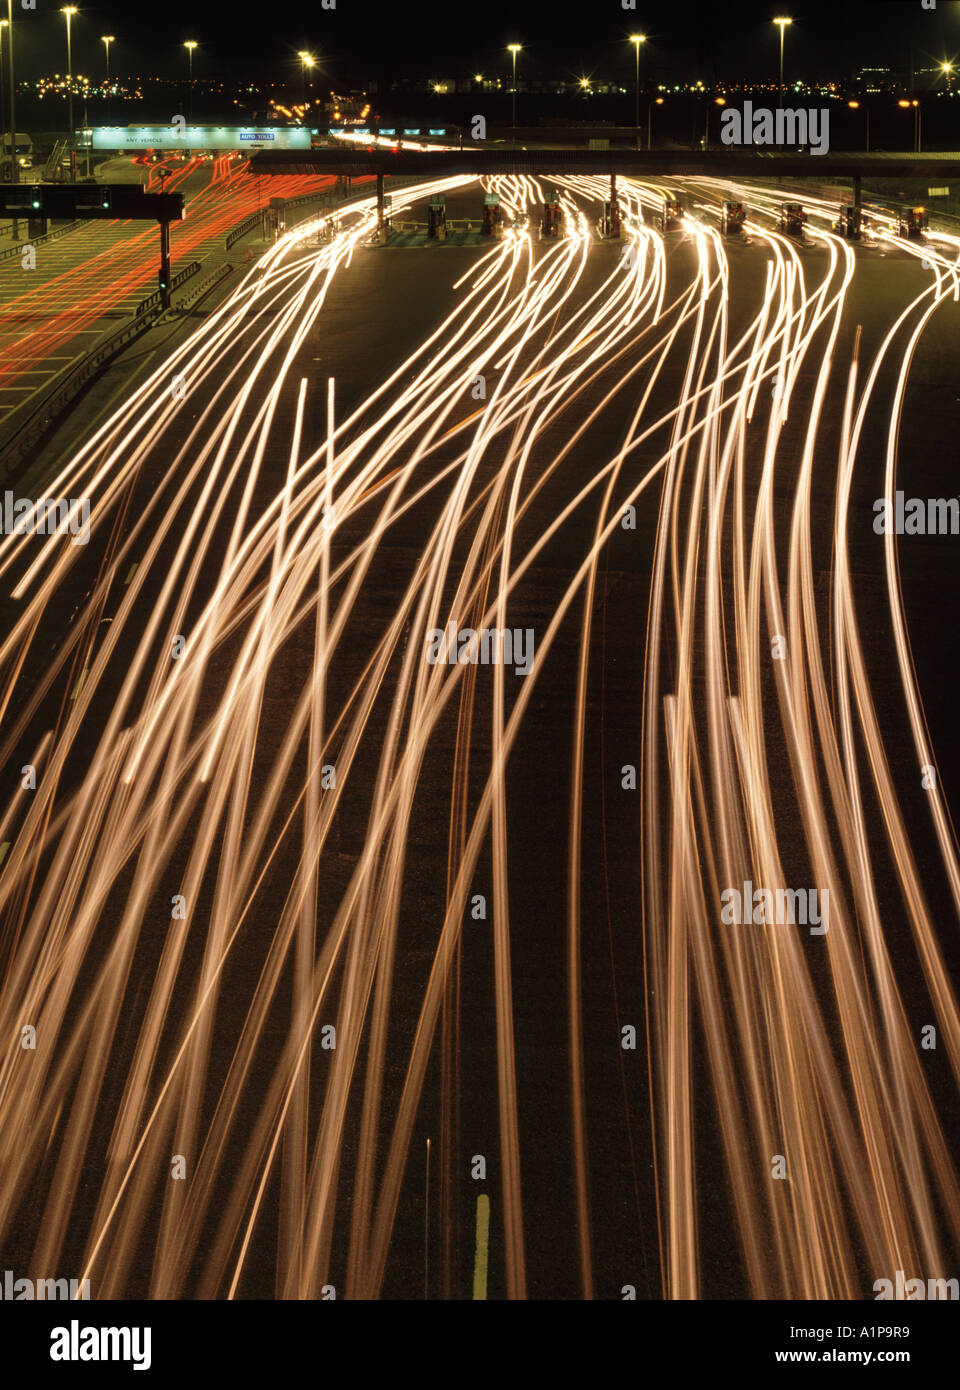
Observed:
{"x":16,"y":249}
{"x":203,"y":286}
{"x":36,"y":419}
{"x":176,"y":281}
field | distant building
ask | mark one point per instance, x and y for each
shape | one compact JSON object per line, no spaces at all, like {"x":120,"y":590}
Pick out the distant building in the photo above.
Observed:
{"x":876,"y":79}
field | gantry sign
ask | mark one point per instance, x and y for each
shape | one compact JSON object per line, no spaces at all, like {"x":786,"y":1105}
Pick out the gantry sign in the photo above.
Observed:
{"x":99,"y":202}
{"x":194,"y":137}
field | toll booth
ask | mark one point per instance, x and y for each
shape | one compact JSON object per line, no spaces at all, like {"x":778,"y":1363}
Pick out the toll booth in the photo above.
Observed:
{"x":792,"y":218}
{"x":277,"y":216}
{"x":437,"y":217}
{"x":551,"y":224}
{"x":492,"y":224}
{"x":671,"y":215}
{"x":913,"y":223}
{"x":609,"y":225}
{"x":383,"y":222}
{"x":731,"y":219}
{"x":849,"y":223}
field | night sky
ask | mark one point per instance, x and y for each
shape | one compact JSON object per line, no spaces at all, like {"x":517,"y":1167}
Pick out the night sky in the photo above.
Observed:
{"x":700,"y":39}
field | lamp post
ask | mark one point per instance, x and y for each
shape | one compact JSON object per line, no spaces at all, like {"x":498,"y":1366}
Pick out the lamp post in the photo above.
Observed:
{"x":916,"y":120}
{"x":14,"y":166}
{"x":306,"y":61}
{"x":947,"y":70}
{"x":4,"y":24}
{"x":107,"y":40}
{"x":855,"y":106}
{"x":782,"y":24}
{"x":657,"y":101}
{"x":190,"y":45}
{"x":717,"y":101}
{"x":69,"y":11}
{"x":514,"y":50}
{"x":637,"y":40}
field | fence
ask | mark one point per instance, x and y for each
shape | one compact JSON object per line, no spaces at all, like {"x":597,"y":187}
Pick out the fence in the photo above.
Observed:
{"x":40,"y":240}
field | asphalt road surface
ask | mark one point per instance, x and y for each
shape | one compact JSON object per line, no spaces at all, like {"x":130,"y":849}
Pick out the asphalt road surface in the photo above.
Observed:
{"x":262,"y":812}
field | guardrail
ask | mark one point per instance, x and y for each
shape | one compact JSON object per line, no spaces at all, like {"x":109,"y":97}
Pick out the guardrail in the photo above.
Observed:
{"x":176,"y":281}
{"x":243,"y":228}
{"x":40,"y":240}
{"x":36,"y":419}
{"x":204,"y":286}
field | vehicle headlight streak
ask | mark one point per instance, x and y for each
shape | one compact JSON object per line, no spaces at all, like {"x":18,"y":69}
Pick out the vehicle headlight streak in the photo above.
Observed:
{"x":173,"y":780}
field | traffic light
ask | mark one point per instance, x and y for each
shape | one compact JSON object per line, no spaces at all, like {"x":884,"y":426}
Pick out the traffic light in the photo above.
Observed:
{"x":91,"y":199}
{"x":71,"y":201}
{"x":163,"y":279}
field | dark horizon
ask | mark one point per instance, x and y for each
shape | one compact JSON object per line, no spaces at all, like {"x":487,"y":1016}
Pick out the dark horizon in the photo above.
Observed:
{"x":380,"y":42}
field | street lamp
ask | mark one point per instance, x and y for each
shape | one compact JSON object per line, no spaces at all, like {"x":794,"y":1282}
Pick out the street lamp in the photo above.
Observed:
{"x":782,"y":23}
{"x":69,"y":11}
{"x":947,"y":70}
{"x":14,"y":166}
{"x":916,"y":120}
{"x":514,"y":50}
{"x":4,"y":24}
{"x":637,"y":40}
{"x":657,"y":101}
{"x":855,"y":106}
{"x":190,"y":45}
{"x":107,"y":40}
{"x":717,"y":101}
{"x":306,"y":61}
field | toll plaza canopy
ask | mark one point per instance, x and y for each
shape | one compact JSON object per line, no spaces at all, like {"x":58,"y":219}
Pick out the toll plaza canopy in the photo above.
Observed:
{"x":175,"y":135}
{"x":512,"y":159}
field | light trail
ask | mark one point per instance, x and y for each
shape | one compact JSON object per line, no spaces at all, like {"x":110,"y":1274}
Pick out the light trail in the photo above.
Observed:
{"x":157,"y":782}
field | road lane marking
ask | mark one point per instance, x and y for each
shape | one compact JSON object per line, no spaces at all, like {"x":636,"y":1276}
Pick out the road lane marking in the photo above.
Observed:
{"x":483,"y":1240}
